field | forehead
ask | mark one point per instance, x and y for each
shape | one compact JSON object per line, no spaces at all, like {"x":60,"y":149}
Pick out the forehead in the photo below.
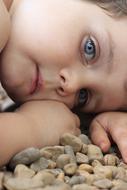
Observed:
{"x":54,"y":17}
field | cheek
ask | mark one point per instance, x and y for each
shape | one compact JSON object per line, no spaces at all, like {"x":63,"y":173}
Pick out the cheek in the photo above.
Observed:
{"x":4,"y":25}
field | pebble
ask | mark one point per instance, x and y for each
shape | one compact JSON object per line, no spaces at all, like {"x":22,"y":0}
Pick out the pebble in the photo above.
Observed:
{"x":61,"y":186}
{"x":70,"y":169}
{"x":84,"y":149}
{"x":22,"y":183}
{"x":61,"y":176}
{"x":40,"y":164}
{"x":55,"y":171}
{"x":120,"y":174}
{"x":69,"y":150}
{"x":23,"y":171}
{"x":76,"y":164}
{"x":111,"y":160}
{"x":103,"y":183}
{"x":53,"y":151}
{"x":26,"y":157}
{"x":62,"y":160}
{"x":1,"y":179}
{"x":46,"y":177}
{"x":119,"y":185}
{"x":69,"y":139}
{"x":84,"y":187}
{"x":103,"y":171}
{"x":94,"y":153}
{"x":86,"y":167}
{"x":85,"y":140}
{"x":82,"y":158}
{"x":51,"y":164}
{"x":76,"y":180}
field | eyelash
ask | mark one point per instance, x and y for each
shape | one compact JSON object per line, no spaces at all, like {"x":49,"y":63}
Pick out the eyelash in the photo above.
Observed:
{"x":89,"y":40}
{"x":83,"y":97}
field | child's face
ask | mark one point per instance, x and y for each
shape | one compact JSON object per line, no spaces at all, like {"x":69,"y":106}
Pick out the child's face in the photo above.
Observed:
{"x":58,"y":47}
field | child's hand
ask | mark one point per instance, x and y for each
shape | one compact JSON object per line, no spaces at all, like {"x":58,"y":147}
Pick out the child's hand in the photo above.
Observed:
{"x":52,"y":120}
{"x":35,"y":124}
{"x":110,"y":124}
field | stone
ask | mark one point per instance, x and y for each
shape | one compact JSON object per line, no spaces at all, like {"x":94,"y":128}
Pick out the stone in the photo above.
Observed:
{"x":51,"y":164}
{"x":46,"y":177}
{"x":69,"y":139}
{"x":7,"y":175}
{"x":1,"y":180}
{"x":61,"y":176}
{"x":55,"y":171}
{"x":111,"y":160}
{"x":84,"y":187}
{"x":103,"y":171}
{"x":25,"y":157}
{"x":84,"y":149}
{"x":94,"y":153}
{"x":76,"y":180}
{"x":86,"y":167}
{"x":69,"y":150}
{"x":70,"y":169}
{"x":53,"y":151}
{"x":103,"y":183}
{"x":23,"y":171}
{"x":119,"y":185}
{"x":96,"y":163}
{"x":61,"y":186}
{"x":62,"y":160}
{"x":22,"y":183}
{"x":85,"y":139}
{"x":120,"y":174}
{"x":82,"y":158}
{"x":40,"y":164}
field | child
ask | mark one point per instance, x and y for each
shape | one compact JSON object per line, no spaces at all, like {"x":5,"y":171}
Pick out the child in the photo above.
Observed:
{"x":34,"y":123}
{"x":67,"y":51}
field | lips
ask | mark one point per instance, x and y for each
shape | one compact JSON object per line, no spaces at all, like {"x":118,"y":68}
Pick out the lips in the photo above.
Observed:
{"x":36,"y":82}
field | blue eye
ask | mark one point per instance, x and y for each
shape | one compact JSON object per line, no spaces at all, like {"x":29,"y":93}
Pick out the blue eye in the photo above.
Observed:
{"x":89,"y":49}
{"x":83,"y":97}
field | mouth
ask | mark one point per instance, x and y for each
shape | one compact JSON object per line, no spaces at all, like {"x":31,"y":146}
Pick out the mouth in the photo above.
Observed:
{"x":36,"y":82}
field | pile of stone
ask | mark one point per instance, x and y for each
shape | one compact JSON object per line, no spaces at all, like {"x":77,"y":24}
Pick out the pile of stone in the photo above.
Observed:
{"x":5,"y":101}
{"x":75,"y":164}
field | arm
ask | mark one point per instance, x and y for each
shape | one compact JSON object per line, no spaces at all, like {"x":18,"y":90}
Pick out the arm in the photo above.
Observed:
{"x":36,"y":124}
{"x":110,"y":124}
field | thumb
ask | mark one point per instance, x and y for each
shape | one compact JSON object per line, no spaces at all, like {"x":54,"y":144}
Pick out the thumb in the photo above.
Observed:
{"x":99,"y":135}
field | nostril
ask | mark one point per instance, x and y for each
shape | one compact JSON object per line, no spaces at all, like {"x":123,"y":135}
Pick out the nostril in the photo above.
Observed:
{"x":61,"y":91}
{"x":62,"y":79}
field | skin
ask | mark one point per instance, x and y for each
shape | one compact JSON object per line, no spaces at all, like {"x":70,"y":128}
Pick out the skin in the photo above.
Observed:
{"x":60,"y":56}
{"x":4,"y":25}
{"x":54,"y":46}
{"x":30,"y":125}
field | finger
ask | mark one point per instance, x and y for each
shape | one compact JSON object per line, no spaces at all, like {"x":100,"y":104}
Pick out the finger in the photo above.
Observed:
{"x":99,"y":136}
{"x":77,"y":120}
{"x":77,"y":124}
{"x":120,"y":139}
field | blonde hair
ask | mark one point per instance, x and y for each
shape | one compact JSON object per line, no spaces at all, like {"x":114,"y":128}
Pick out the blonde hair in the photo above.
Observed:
{"x":113,"y":7}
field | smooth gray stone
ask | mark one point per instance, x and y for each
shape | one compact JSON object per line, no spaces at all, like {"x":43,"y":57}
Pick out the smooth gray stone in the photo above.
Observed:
{"x":25,"y":157}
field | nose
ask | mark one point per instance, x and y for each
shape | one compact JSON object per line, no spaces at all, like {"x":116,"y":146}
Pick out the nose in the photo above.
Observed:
{"x":69,"y":83}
